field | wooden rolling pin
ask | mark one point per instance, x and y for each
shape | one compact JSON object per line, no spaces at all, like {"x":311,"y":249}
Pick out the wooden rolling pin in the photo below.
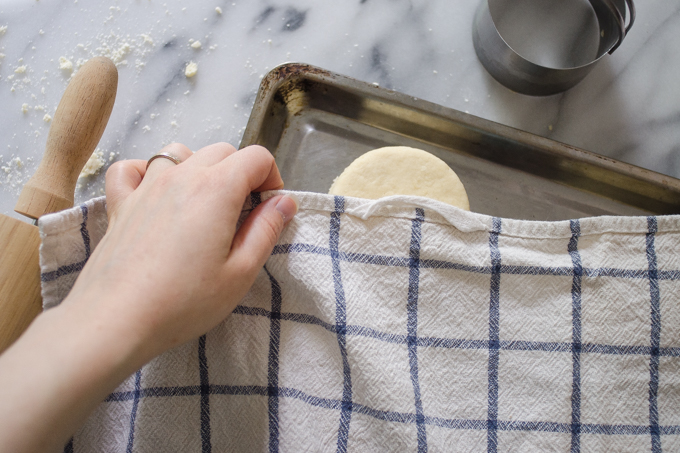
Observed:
{"x":78,"y":124}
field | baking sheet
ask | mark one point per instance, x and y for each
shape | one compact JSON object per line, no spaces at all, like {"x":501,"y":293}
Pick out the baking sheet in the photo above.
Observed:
{"x":316,"y":123}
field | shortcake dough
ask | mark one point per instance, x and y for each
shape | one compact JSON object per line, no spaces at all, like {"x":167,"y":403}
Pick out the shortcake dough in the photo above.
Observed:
{"x":400,"y":170}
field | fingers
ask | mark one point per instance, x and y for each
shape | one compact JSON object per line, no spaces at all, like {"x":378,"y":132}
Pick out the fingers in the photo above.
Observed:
{"x":255,"y":240}
{"x":234,"y":173}
{"x":158,"y":166}
{"x":251,"y":169}
{"x":122,"y":178}
{"x":212,"y":154}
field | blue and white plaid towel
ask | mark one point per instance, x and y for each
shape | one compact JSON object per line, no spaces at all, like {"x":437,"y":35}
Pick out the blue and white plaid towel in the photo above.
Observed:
{"x":408,"y":325}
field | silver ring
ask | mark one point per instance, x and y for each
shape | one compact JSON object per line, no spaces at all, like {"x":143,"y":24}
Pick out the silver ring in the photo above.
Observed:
{"x":168,"y":156}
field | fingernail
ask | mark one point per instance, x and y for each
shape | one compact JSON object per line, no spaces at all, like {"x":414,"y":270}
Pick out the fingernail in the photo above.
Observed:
{"x":287,"y":207}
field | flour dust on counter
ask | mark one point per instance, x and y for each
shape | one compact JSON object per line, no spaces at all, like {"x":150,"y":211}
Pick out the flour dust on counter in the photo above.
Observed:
{"x":191,"y":70}
{"x":65,"y":64}
{"x":93,"y":164}
{"x":87,"y":184}
{"x":38,"y":78}
{"x":13,"y":172}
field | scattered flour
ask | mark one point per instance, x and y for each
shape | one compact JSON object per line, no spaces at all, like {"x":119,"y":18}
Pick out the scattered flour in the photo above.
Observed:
{"x":93,"y":164}
{"x":65,"y":64}
{"x":30,"y":81}
{"x":12,"y":175}
{"x":191,"y":69}
{"x":118,"y":55}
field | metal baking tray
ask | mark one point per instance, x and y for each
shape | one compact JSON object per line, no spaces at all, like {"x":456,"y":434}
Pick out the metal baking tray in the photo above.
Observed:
{"x":316,"y":123}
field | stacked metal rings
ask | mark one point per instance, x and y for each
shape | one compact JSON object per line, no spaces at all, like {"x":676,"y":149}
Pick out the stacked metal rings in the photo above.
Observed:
{"x":529,"y":76}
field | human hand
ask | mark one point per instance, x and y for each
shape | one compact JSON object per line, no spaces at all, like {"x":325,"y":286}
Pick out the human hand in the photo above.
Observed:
{"x":171,"y":265}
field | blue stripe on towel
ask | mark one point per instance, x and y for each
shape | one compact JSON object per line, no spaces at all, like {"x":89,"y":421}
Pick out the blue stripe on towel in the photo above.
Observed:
{"x":412,"y":324}
{"x":382,"y":260}
{"x":340,"y":325}
{"x":273,"y":364}
{"x":392,"y":416}
{"x":572,"y":248}
{"x":395,"y":261}
{"x":255,"y":199}
{"x":75,"y":267}
{"x":206,"y":443}
{"x":494,"y":336}
{"x":84,"y":233}
{"x":136,"y":395}
{"x":461,"y":343}
{"x":655,"y":316}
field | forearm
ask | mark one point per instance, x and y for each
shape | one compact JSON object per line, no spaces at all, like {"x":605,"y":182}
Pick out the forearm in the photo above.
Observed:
{"x":65,"y":364}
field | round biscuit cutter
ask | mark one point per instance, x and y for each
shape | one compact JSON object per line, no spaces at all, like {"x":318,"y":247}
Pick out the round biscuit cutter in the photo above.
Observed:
{"x":507,"y":43}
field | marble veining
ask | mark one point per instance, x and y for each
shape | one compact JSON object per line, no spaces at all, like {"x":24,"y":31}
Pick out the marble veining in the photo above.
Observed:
{"x":628,"y":108}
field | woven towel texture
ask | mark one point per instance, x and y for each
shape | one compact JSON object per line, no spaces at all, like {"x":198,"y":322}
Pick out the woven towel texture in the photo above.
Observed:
{"x":408,"y":325}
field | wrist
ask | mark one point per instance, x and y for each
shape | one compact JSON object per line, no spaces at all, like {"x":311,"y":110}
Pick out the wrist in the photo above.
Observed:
{"x":64,"y":365}
{"x":102,"y":333}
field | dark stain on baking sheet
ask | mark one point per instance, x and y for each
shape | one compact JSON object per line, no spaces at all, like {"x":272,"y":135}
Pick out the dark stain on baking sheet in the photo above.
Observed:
{"x":292,"y":95}
{"x":283,"y":94}
{"x":296,"y":80}
{"x":297,"y":69}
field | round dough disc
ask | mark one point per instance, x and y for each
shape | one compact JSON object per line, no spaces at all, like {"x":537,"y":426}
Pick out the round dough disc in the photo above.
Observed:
{"x":400,"y":170}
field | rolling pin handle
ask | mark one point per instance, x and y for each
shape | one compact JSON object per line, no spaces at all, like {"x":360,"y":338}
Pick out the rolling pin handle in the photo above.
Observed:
{"x":78,"y":124}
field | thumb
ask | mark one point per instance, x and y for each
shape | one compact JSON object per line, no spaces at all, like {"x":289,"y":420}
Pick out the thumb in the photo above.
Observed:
{"x":259,"y":233}
{"x":122,"y":178}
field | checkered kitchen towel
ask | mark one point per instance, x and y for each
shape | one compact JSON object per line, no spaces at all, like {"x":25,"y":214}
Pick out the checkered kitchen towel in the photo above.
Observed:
{"x":408,"y":325}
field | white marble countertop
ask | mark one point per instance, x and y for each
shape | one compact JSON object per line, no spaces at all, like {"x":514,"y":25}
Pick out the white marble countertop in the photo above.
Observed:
{"x":628,"y":108}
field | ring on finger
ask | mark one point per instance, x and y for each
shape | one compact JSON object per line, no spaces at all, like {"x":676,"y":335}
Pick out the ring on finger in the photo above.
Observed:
{"x":174,"y":159}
